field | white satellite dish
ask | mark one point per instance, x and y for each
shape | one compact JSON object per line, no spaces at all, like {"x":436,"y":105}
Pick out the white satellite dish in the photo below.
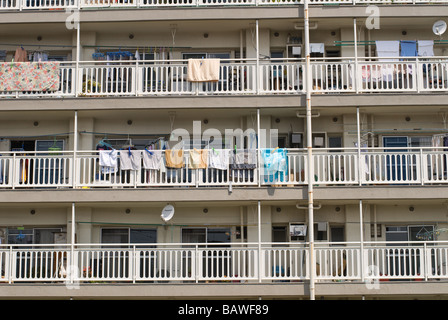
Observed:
{"x":439,"y":27}
{"x":167,"y":213}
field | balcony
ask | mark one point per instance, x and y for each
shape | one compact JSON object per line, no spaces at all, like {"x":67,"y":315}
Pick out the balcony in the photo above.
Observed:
{"x":331,"y":167}
{"x":235,"y":263}
{"x":236,"y":78}
{"x":102,"y":4}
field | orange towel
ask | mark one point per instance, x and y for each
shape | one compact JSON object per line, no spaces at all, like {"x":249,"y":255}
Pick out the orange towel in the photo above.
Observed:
{"x":174,"y":158}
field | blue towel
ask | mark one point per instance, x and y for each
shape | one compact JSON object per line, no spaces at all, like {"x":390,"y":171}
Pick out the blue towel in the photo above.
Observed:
{"x":408,"y":48}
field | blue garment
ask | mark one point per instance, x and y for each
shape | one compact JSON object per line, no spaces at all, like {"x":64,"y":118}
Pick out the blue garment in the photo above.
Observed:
{"x":408,"y":48}
{"x":275,"y":163}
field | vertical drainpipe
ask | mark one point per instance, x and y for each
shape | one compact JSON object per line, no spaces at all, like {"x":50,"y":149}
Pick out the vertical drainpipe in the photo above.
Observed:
{"x":72,"y":247}
{"x":358,"y":142}
{"x":361,"y":236}
{"x":257,"y":49}
{"x":259,"y":243}
{"x":356,"y":56}
{"x":258,"y":148}
{"x":78,"y":78}
{"x":309,"y":153}
{"x":75,"y":149}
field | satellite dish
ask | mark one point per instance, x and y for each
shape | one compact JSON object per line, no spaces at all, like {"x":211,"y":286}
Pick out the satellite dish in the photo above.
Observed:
{"x":167,"y":213}
{"x":439,"y":27}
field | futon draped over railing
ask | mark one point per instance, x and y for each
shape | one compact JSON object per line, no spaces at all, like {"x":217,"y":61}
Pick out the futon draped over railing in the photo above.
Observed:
{"x":29,"y":76}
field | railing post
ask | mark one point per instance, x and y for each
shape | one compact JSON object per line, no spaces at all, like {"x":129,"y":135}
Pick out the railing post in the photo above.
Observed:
{"x":134,"y":266}
{"x":196,"y":264}
{"x":10,"y":262}
{"x":422,"y":167}
{"x":13,"y":179}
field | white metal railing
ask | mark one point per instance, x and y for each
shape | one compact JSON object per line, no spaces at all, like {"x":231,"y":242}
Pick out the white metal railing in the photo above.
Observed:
{"x":87,"y":4}
{"x":230,"y":262}
{"x":276,"y":167}
{"x":236,"y":77}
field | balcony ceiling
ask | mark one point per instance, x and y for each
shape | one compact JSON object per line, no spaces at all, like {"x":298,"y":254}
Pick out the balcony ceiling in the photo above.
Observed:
{"x":228,"y":25}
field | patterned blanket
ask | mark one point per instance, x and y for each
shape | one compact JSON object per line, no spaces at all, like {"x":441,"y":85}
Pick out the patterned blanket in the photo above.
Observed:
{"x":29,"y":76}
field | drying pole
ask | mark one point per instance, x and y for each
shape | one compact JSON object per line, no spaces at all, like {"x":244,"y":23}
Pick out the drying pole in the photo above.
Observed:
{"x":310,"y":152}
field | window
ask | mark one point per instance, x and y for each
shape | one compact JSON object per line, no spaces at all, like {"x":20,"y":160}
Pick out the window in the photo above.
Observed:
{"x":396,"y":233}
{"x":126,"y":235}
{"x":32,"y":236}
{"x":421,"y":233}
{"x":206,"y":235}
{"x":115,"y":235}
{"x":298,"y":231}
{"x":321,"y":231}
{"x":20,"y":236}
{"x":279,"y":234}
{"x":337,"y":234}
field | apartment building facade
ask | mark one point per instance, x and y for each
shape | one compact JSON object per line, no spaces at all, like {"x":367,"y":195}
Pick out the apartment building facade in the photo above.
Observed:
{"x":160,"y":149}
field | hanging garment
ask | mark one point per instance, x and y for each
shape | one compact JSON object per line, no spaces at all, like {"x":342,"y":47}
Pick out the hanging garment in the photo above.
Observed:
{"x":274,"y":160}
{"x":275,"y":164}
{"x":108,"y":161}
{"x":219,"y":159}
{"x":40,"y":56}
{"x":388,"y":49}
{"x":174,"y":158}
{"x":152,"y":159}
{"x":20,"y":55}
{"x":408,"y":48}
{"x":202,"y":70}
{"x":244,"y":159}
{"x":130,"y":159}
{"x":198,"y":159}
{"x":426,"y":48}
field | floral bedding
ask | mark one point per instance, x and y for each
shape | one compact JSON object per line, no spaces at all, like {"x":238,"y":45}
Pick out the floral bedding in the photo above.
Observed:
{"x":29,"y":76}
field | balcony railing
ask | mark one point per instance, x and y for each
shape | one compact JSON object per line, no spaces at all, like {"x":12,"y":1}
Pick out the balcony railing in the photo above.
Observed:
{"x":287,"y":76}
{"x":234,"y":262}
{"x":370,"y":166}
{"x":89,"y":4}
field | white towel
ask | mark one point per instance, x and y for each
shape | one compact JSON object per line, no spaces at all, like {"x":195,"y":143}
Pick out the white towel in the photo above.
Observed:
{"x":425,"y":48}
{"x":108,"y":161}
{"x":388,"y":49}
{"x":108,"y":158}
{"x":130,"y":160}
{"x":201,"y":70}
{"x":152,"y":159}
{"x":219,"y":159}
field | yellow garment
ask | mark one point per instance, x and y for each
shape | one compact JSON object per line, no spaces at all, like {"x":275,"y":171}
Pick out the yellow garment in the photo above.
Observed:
{"x":174,"y":158}
{"x":202,"y":70}
{"x":198,"y":159}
